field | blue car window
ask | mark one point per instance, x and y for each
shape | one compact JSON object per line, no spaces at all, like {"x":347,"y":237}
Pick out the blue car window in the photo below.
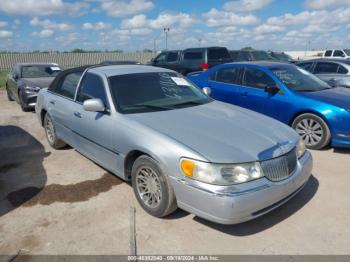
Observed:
{"x":257,"y":78}
{"x":226,"y":75}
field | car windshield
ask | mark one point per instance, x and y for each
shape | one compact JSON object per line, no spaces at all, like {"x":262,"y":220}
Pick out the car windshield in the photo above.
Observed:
{"x":299,"y":79}
{"x":347,"y":51}
{"x":261,"y":55}
{"x":156,"y":91}
{"x":36,"y":71}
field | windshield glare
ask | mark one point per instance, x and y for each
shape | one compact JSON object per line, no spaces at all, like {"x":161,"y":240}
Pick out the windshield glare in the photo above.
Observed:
{"x":146,"y":92}
{"x":40,"y":71}
{"x":299,"y":79}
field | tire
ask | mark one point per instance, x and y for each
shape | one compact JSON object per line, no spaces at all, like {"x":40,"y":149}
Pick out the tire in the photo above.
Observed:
{"x":146,"y":174}
{"x":9,"y":97}
{"x":50,"y":132}
{"x":313,"y":130}
{"x":24,"y":107}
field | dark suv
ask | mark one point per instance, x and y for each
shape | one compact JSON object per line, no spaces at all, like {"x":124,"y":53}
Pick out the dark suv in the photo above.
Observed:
{"x":192,"y":59}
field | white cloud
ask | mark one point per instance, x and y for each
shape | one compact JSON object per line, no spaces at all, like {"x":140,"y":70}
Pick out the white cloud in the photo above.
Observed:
{"x":5,"y":34}
{"x":48,"y":24}
{"x":216,"y":18}
{"x":181,"y":20}
{"x":126,"y":7}
{"x":96,"y":26}
{"x":321,"y":4}
{"x":266,"y":29}
{"x":69,"y":39}
{"x":3,"y":23}
{"x":44,"y":33}
{"x":246,"y":5}
{"x":42,"y":7}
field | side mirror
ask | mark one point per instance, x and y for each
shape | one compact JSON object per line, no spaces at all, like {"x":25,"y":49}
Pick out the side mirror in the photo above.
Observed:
{"x":94,"y":105}
{"x":206,"y":90}
{"x":272,"y":89}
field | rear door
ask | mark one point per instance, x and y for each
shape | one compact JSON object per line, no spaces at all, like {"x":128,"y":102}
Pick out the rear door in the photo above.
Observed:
{"x":224,"y":84}
{"x":172,"y":60}
{"x":92,"y":131}
{"x":60,"y":104}
{"x":328,"y":72}
{"x":192,"y":61}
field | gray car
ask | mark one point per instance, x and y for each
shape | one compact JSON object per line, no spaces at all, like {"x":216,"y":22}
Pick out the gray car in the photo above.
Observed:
{"x":26,"y":79}
{"x":178,"y":147}
{"x":336,"y":72}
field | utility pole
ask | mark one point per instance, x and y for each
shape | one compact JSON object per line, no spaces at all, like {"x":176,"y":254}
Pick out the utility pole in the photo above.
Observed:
{"x":166,"y":31}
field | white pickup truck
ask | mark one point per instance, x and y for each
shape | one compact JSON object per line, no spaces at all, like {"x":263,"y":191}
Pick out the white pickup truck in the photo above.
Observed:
{"x":337,"y":53}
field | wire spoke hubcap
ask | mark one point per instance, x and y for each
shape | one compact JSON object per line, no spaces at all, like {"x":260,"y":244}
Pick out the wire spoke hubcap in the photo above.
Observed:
{"x":310,"y":131}
{"x":50,"y":131}
{"x":149,"y":187}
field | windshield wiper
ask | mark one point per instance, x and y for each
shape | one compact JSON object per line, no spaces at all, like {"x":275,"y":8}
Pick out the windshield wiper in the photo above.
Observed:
{"x":151,"y":106}
{"x":187,"y":103}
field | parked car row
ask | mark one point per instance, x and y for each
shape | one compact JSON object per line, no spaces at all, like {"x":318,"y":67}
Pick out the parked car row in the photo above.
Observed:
{"x":164,"y":132}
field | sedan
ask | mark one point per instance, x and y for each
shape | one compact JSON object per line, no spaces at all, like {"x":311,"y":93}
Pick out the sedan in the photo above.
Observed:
{"x":319,"y":113}
{"x":336,"y":72}
{"x":26,"y":79}
{"x":177,"y":146}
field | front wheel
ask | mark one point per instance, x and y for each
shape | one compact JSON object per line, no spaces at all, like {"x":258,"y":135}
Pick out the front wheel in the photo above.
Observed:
{"x":152,"y":188}
{"x":50,"y":131}
{"x":9,"y":97}
{"x":313,"y":130}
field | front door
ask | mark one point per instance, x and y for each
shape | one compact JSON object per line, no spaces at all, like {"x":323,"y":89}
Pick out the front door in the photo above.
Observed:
{"x":93,"y":131}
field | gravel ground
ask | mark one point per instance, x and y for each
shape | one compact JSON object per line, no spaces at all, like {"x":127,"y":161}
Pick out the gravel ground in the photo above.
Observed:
{"x":59,"y":202}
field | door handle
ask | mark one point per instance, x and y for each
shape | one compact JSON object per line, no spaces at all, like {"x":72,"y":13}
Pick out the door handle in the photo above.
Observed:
{"x":77,"y":114}
{"x":52,"y":102}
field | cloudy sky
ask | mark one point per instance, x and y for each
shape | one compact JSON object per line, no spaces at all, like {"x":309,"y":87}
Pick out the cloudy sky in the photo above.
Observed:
{"x":138,"y":24}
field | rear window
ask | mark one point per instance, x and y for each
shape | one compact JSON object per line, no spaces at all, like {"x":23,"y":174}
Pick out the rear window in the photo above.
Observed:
{"x":193,"y":55}
{"x":218,"y":53}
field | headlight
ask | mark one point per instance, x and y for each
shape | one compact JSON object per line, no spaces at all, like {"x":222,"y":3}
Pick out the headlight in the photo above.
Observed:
{"x":32,"y":88}
{"x":221,"y":174}
{"x":301,"y":148}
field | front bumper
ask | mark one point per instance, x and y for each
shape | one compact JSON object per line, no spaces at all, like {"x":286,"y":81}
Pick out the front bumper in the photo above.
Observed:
{"x":243,"y":202}
{"x":29,"y":98}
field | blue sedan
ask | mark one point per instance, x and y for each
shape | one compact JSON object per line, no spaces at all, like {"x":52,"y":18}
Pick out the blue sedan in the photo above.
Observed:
{"x":319,"y":113}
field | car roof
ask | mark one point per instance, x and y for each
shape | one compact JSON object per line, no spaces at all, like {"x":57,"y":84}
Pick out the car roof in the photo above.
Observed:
{"x":203,"y":48}
{"x":113,"y":70}
{"x":38,"y":63}
{"x":344,"y":61}
{"x":267,"y":64}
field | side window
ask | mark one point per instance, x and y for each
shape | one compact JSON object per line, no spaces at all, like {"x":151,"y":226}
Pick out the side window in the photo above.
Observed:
{"x":257,"y":78}
{"x":68,"y":85}
{"x":326,"y":68}
{"x":338,"y":53}
{"x":193,"y":55}
{"x":172,"y":57}
{"x":342,"y":70}
{"x":306,"y":66}
{"x":328,"y":53}
{"x":160,"y":58}
{"x":226,"y":75}
{"x":91,"y":87}
{"x":243,"y":56}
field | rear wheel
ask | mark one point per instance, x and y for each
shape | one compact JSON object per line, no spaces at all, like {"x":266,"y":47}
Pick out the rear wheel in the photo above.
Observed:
{"x":152,"y":188}
{"x":9,"y":97}
{"x":50,"y":131}
{"x":313,"y":130}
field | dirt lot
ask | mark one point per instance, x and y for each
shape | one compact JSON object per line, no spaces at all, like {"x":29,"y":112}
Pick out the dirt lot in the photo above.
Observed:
{"x":59,"y":202}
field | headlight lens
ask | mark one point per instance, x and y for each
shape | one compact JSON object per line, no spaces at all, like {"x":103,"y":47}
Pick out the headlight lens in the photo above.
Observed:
{"x":221,"y":174}
{"x":32,"y":88}
{"x":301,"y":148}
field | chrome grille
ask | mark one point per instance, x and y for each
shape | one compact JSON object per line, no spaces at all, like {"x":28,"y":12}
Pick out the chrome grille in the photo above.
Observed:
{"x":281,"y":167}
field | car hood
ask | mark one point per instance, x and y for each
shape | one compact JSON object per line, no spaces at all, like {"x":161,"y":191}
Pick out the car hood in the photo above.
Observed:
{"x":41,"y":82}
{"x":339,"y":96}
{"x":223,"y":133}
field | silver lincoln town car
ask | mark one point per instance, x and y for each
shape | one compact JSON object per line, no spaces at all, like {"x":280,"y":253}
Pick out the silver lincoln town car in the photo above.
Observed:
{"x":179,"y":147}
